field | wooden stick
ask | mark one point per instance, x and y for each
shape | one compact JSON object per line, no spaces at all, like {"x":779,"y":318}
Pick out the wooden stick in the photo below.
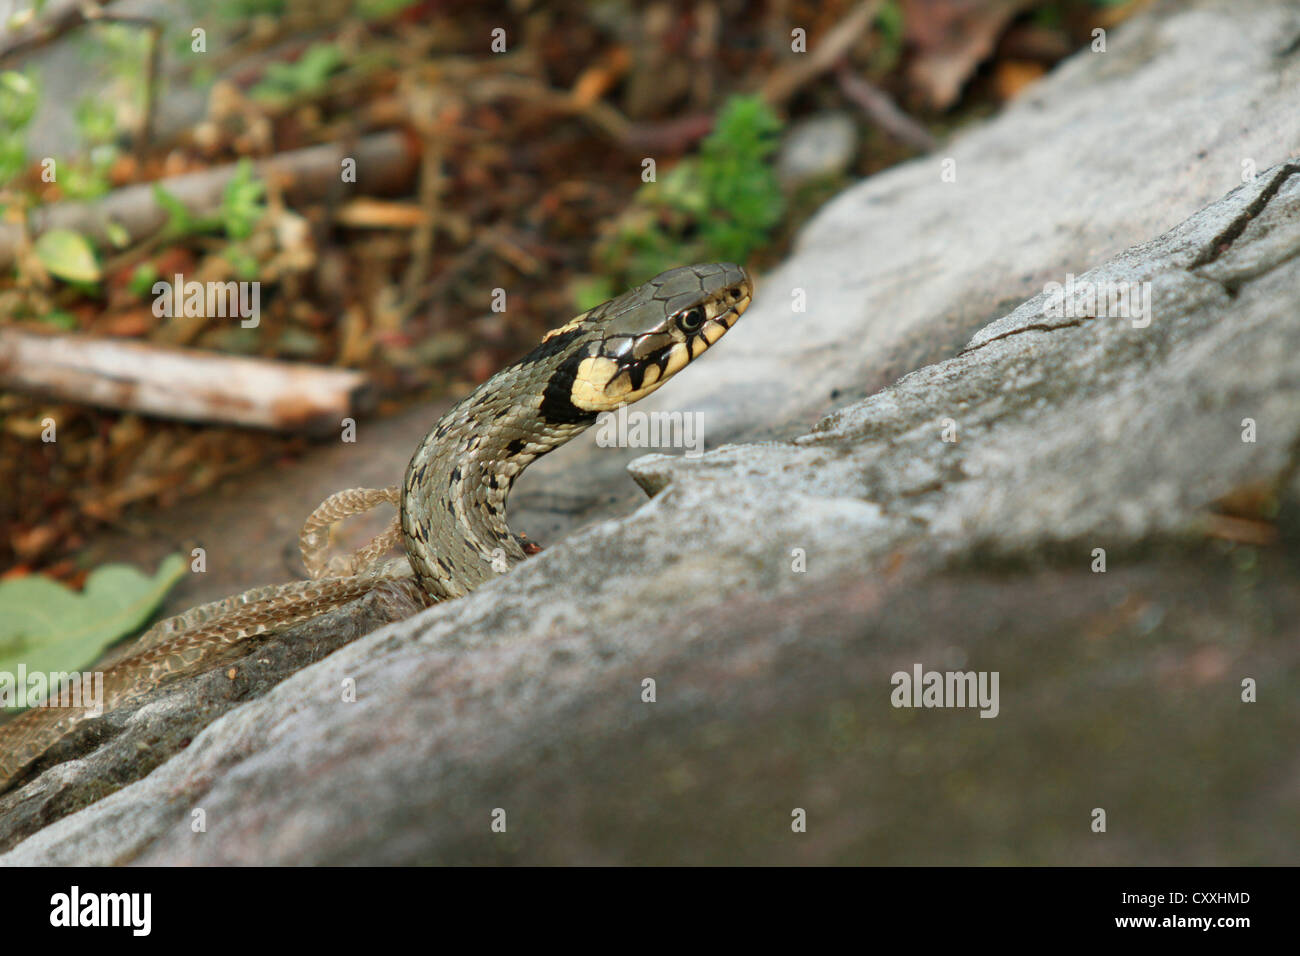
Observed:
{"x":783,"y":83}
{"x":385,"y":164}
{"x":882,"y":110}
{"x":181,"y":383}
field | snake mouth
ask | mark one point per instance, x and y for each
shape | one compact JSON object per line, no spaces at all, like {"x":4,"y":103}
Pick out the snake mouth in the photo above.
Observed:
{"x":700,"y":341}
{"x":657,"y":367}
{"x":734,"y":311}
{"x":728,"y":316}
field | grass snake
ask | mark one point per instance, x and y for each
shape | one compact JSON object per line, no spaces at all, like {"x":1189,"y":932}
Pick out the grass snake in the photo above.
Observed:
{"x":452,"y":500}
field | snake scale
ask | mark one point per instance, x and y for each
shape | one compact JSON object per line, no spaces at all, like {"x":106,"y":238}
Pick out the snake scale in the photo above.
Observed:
{"x":452,"y":522}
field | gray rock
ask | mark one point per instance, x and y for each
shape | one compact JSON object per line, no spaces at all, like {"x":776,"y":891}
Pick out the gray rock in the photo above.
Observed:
{"x":1119,"y":690}
{"x":819,"y":147}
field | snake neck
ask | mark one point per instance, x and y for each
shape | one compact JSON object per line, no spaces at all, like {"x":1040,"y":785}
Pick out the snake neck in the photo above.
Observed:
{"x":454,"y":494}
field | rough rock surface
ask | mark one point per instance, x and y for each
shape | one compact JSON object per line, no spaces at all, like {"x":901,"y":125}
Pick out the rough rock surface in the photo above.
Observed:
{"x":1119,"y":690}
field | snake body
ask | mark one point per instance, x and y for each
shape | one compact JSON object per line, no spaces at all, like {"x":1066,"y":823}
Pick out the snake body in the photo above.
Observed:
{"x":453,"y":497}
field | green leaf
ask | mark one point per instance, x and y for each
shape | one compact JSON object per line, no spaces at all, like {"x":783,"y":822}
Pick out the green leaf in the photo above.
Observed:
{"x":142,"y":279}
{"x":61,"y":319}
{"x":68,"y":255}
{"x":13,"y":159}
{"x":83,"y":181}
{"x":16,"y":83}
{"x":305,"y":76}
{"x":381,"y":9}
{"x":97,"y":120}
{"x":245,"y":265}
{"x":180,"y":221}
{"x":241,"y":201}
{"x":18,"y":98}
{"x":117,"y":234}
{"x":48,"y":627}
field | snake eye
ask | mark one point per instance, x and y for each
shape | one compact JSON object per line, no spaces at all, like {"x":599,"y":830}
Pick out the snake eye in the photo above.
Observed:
{"x":691,"y":321}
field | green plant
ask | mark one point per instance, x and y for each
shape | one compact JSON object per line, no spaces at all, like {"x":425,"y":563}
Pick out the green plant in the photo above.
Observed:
{"x":889,"y":24}
{"x":244,"y":9}
{"x":180,"y":221}
{"x":88,"y":178}
{"x":739,"y":183}
{"x":19,"y":94}
{"x":242,"y":262}
{"x":304,"y":77}
{"x":46,"y":627}
{"x":119,"y":54}
{"x":242,"y":202}
{"x":720,"y":204}
{"x":142,"y":279}
{"x":96,"y":119}
{"x":60,"y":319}
{"x":380,"y":9}
{"x":241,"y":207}
{"x":67,"y":255}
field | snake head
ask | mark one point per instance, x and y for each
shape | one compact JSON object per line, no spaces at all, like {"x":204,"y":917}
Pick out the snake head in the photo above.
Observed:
{"x":636,"y":342}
